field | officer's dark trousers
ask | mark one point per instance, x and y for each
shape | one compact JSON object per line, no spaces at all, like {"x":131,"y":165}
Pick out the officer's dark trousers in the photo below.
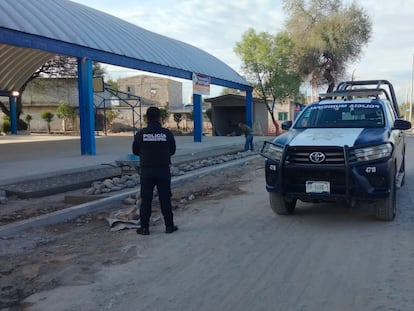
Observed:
{"x":161,"y":178}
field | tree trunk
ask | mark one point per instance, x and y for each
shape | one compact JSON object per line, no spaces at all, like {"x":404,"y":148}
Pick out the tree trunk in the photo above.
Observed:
{"x":331,"y":81}
{"x":277,"y":128}
{"x":273,"y":118}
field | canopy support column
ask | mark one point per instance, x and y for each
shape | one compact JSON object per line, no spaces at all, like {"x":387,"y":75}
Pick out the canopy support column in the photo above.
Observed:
{"x":197,"y":117}
{"x":249,"y":108}
{"x":13,"y":114}
{"x":86,"y":108}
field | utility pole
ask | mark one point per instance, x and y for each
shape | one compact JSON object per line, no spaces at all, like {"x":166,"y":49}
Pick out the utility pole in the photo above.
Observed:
{"x":406,"y":103}
{"x":411,"y":99}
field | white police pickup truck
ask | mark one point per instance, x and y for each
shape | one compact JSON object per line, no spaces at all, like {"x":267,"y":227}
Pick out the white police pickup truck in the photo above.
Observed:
{"x":349,"y":146}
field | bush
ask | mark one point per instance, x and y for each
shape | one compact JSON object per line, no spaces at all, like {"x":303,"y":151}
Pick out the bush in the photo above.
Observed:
{"x":6,"y":128}
{"x":65,"y":112}
{"x":48,"y":117}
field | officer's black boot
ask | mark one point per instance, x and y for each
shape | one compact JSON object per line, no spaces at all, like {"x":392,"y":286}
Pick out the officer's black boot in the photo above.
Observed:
{"x":171,"y":229}
{"x":143,"y":231}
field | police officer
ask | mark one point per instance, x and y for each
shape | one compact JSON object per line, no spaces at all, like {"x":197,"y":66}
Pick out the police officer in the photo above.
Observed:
{"x":155,"y":145}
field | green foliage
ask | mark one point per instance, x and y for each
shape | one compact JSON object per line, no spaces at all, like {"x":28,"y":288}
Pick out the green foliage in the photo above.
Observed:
{"x":164,"y":115}
{"x":269,"y":64}
{"x":98,"y":70}
{"x":48,"y":117}
{"x":111,"y":115}
{"x":112,"y":85}
{"x":327,"y":36}
{"x":6,"y":128}
{"x":178,"y":117}
{"x":65,"y":112}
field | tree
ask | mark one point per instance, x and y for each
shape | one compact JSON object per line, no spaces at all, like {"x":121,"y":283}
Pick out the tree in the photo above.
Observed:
{"x":59,"y":66}
{"x":327,"y":36}
{"x":178,"y":117}
{"x":113,"y":85}
{"x":48,"y":117}
{"x":268,"y":63}
{"x":65,"y":112}
{"x":164,"y":115}
{"x":110,"y":116}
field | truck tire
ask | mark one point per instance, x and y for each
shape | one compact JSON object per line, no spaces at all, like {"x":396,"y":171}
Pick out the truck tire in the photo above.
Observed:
{"x":280,"y":205}
{"x":387,"y":208}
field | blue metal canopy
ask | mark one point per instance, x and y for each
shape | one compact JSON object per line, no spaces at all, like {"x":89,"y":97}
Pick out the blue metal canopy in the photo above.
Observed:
{"x":50,"y":27}
{"x":32,"y":32}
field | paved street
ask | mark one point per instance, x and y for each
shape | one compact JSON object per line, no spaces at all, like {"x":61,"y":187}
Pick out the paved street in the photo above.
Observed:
{"x":230,"y":253}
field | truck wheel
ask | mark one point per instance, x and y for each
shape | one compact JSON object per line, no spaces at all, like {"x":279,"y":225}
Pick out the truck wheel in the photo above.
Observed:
{"x":280,"y":205}
{"x":387,"y":208}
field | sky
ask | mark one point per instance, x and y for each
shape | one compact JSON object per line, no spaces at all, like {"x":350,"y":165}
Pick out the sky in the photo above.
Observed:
{"x":216,"y":25}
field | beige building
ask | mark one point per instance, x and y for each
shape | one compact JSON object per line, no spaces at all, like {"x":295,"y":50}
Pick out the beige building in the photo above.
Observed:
{"x":157,"y":91}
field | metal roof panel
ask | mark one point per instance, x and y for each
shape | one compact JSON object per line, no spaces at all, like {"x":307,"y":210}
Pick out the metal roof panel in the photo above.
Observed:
{"x":71,"y":23}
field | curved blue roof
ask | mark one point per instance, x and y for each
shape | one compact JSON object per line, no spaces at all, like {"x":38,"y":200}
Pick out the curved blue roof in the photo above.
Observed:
{"x":32,"y":32}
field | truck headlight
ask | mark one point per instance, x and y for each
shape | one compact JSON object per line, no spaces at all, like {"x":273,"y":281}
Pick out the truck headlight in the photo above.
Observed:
{"x":271,"y":151}
{"x":374,"y":152}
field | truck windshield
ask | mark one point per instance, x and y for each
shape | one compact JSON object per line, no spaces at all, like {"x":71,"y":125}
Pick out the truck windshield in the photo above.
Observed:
{"x":341,"y":115}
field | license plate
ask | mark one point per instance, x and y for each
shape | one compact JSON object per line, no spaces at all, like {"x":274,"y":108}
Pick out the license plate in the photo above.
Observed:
{"x":318,"y":186}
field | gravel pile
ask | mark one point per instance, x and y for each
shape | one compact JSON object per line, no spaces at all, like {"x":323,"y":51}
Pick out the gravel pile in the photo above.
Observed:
{"x":131,"y":181}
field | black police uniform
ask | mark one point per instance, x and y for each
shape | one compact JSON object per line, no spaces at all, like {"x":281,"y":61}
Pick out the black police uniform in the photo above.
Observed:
{"x":155,"y":145}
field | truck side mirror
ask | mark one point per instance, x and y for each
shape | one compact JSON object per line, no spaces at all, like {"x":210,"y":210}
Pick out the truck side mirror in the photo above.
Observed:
{"x":401,"y":124}
{"x":286,"y":125}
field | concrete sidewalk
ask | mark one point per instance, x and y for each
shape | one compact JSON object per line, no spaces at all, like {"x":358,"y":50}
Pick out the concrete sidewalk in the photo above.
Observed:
{"x":28,"y":157}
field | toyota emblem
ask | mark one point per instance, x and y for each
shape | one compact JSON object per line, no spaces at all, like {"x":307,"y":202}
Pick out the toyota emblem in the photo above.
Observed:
{"x":317,"y":157}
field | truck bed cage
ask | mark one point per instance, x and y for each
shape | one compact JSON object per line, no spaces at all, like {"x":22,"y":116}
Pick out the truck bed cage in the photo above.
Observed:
{"x":358,"y":93}
{"x":367,"y":89}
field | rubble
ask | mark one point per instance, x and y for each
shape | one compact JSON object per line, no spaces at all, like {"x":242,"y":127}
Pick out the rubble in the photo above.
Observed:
{"x":131,"y":181}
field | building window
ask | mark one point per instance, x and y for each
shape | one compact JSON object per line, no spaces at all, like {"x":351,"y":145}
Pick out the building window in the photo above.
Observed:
{"x":131,"y":89}
{"x":282,"y":116}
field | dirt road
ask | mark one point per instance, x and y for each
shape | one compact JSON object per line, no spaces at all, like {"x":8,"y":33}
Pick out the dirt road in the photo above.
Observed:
{"x":230,"y":253}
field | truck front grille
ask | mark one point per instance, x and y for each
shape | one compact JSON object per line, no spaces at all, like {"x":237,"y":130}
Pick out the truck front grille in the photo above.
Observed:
{"x":301,"y":155}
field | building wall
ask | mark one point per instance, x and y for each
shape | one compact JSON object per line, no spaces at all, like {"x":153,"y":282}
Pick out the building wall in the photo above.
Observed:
{"x":154,"y":90}
{"x":260,"y":120}
{"x":228,"y":110}
{"x":51,"y":91}
{"x":46,"y":94}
